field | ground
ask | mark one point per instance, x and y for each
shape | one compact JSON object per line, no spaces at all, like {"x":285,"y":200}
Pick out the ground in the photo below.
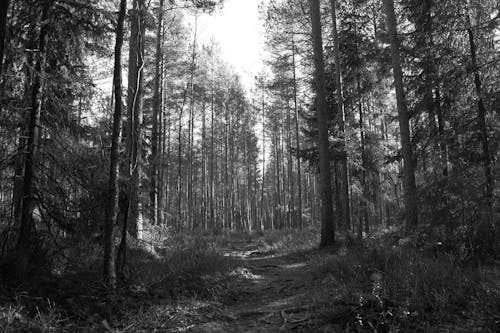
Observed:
{"x":270,"y":296}
{"x":274,"y":282}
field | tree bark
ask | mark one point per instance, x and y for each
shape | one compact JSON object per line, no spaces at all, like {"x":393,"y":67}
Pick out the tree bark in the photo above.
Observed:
{"x":135,"y":112}
{"x":113,"y":207}
{"x":297,"y":139}
{"x":327,"y":223}
{"x":212,"y":146}
{"x":156,"y":114}
{"x":409,"y":184}
{"x":262,"y":203}
{"x":343,"y":177}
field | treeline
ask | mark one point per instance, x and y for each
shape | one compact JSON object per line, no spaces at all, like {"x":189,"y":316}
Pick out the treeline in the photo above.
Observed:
{"x":410,"y":94}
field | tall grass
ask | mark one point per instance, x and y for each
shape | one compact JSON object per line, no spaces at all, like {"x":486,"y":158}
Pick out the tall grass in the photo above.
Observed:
{"x":430,"y":290}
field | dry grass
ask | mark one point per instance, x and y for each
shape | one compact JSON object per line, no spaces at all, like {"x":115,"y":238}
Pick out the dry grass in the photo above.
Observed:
{"x":408,"y":291}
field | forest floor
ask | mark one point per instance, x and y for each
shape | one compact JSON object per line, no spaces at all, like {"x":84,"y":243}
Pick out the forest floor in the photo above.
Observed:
{"x":278,"y":281}
{"x":272,"y":295}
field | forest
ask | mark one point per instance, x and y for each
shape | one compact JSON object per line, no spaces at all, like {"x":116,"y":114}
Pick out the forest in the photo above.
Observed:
{"x":146,"y":186}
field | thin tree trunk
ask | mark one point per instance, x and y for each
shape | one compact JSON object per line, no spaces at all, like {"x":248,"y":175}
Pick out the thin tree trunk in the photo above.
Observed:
{"x":162,"y":198}
{"x":442,"y":133}
{"x":212,"y":147}
{"x":327,"y":223}
{"x":297,"y":138}
{"x":113,"y":207}
{"x":284,"y":183}
{"x":179,"y":171}
{"x":364,"y":200}
{"x":204,"y":197}
{"x":262,"y":203}
{"x":409,"y":184}
{"x":344,"y":177}
{"x":291,"y":187}
{"x":168,"y":191}
{"x":226,"y":167}
{"x":4,"y":8}
{"x":156,"y":114}
{"x":277,"y":202}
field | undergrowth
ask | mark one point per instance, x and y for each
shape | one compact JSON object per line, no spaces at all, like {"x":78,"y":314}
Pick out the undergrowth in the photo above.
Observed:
{"x":71,"y":296}
{"x":389,"y":282}
{"x":399,"y":288}
{"x":290,"y":240}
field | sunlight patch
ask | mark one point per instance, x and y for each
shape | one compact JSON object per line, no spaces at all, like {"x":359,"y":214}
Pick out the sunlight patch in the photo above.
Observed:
{"x":245,"y":272}
{"x":296,"y":265}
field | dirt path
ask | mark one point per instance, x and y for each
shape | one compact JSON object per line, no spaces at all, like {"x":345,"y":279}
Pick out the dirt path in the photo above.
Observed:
{"x":270,"y":294}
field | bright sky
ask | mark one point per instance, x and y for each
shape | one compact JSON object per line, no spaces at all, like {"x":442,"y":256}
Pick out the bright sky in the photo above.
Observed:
{"x":240,"y":34}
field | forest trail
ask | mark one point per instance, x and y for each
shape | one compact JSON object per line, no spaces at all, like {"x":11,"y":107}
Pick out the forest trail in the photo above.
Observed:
{"x":271,"y":294}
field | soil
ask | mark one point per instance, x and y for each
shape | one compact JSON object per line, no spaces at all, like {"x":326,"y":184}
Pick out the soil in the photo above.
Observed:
{"x":271,"y":295}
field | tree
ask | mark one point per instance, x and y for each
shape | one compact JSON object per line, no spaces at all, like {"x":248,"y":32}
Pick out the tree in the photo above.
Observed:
{"x":4,"y":8}
{"x":410,"y":190}
{"x":26,"y":243}
{"x":327,"y":225}
{"x":113,"y":207}
{"x":156,"y":120}
{"x":481,"y":111}
{"x":135,"y":96}
{"x":135,"y":113}
{"x":297,"y":140}
{"x":344,"y":178}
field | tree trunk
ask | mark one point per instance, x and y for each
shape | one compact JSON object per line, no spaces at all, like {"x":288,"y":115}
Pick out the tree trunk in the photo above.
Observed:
{"x":481,"y":114}
{"x":179,"y":169}
{"x":442,"y":132}
{"x":162,"y":131}
{"x":410,"y":190}
{"x":4,"y":8}
{"x":364,"y":199}
{"x":204,"y":194}
{"x":26,"y":243}
{"x":297,"y":139}
{"x":112,"y":209}
{"x":135,"y":111}
{"x":327,"y":223}
{"x":156,"y":114}
{"x":345,"y":208}
{"x":291,"y":187}
{"x":262,"y":203}
{"x":212,"y":147}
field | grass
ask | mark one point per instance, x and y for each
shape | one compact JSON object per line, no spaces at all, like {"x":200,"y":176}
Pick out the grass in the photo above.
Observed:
{"x":408,"y":290}
{"x":388,"y":282}
{"x":289,"y":240}
{"x":71,"y":296}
